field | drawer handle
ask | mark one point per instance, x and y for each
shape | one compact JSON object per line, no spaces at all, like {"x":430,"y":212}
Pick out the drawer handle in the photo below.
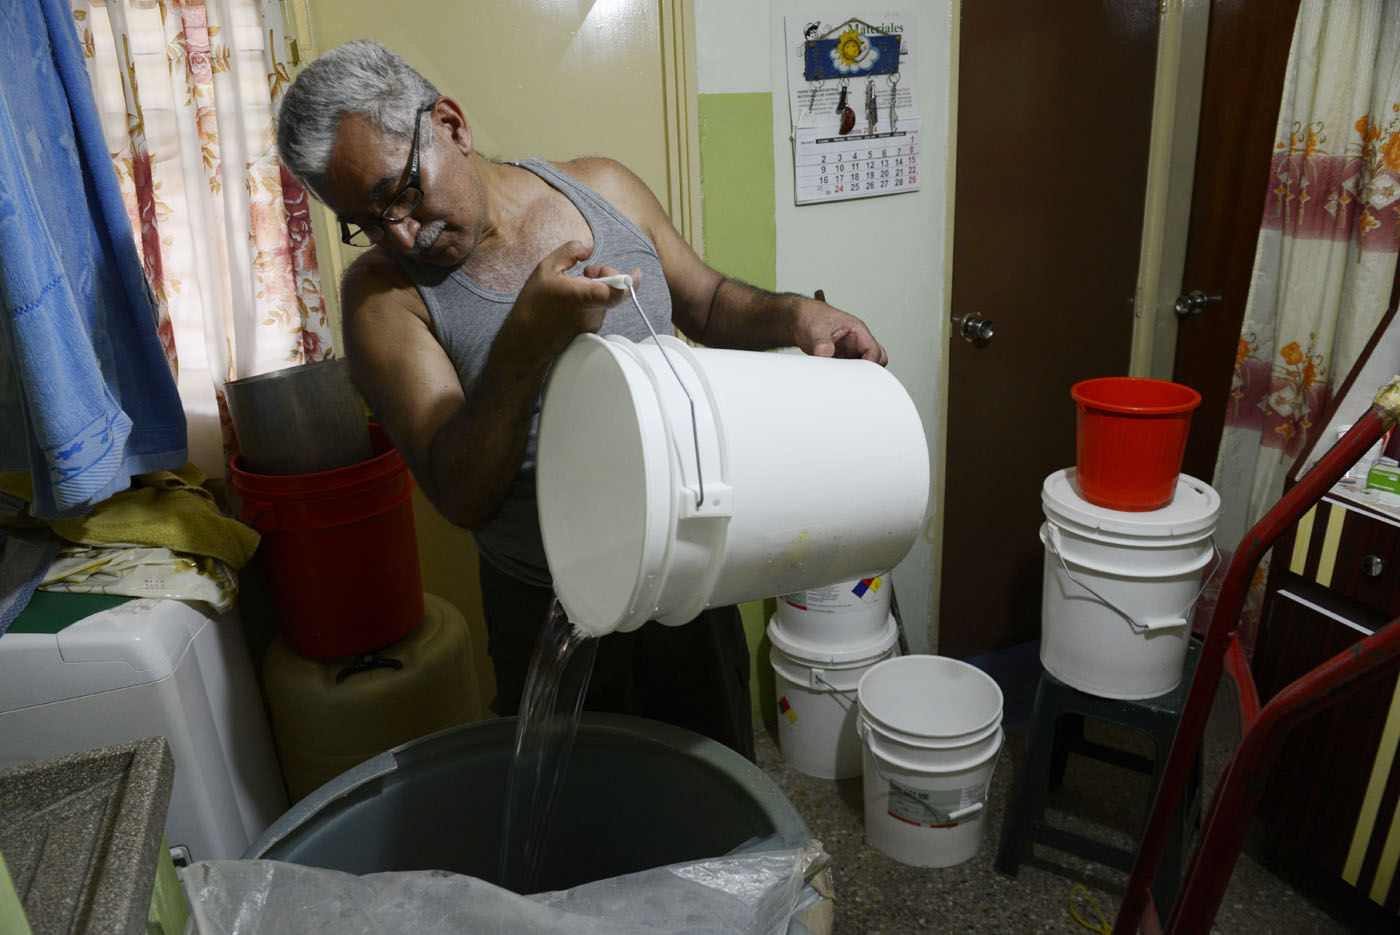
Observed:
{"x":1372,"y":566}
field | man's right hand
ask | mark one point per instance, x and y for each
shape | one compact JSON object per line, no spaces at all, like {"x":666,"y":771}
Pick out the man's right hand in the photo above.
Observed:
{"x":554,"y":307}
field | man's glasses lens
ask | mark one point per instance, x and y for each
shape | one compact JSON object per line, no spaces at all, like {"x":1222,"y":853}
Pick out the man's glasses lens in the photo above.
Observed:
{"x":357,"y":236}
{"x":404,"y":205}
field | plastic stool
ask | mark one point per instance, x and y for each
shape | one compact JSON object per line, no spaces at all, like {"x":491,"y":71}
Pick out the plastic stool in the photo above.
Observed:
{"x":1048,"y":748}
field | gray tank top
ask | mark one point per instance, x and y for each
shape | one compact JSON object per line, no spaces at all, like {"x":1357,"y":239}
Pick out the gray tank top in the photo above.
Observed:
{"x":467,"y":317}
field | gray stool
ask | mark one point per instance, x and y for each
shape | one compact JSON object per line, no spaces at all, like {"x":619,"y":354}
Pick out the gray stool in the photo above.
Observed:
{"x":1057,"y":730}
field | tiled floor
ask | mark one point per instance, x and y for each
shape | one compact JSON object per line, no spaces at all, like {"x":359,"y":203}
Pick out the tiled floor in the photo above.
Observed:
{"x":879,"y":896}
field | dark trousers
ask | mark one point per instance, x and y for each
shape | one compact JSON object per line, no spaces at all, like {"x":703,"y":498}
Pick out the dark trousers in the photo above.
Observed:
{"x":694,"y":676}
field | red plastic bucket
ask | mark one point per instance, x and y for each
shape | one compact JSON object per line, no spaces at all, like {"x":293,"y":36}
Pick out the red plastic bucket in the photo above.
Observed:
{"x":340,"y":550}
{"x":1130,"y":435}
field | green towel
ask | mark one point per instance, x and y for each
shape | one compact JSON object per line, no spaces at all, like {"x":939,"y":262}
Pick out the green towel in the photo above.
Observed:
{"x":167,"y":508}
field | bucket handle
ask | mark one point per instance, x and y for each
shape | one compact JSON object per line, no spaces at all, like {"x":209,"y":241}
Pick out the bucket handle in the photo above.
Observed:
{"x":1050,"y":536}
{"x":625,"y":280}
{"x":845,"y":698}
{"x":957,"y":814}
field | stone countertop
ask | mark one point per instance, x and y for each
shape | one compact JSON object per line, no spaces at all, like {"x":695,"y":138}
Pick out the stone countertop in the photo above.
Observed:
{"x":82,"y":836}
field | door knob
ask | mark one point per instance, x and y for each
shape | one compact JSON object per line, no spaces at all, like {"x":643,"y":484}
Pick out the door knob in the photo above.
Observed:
{"x":975,"y":329}
{"x":1372,"y":566}
{"x":1193,"y":303}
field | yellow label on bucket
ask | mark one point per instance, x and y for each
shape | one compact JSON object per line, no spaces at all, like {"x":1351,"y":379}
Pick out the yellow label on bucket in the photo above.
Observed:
{"x":786,"y":709}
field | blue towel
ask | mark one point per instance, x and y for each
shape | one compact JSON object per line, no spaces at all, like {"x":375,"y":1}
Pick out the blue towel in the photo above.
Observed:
{"x":87,"y":399}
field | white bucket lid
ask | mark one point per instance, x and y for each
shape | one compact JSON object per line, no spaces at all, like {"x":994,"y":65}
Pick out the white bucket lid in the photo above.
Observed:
{"x":860,"y":650}
{"x":929,"y":696}
{"x":1194,"y":509}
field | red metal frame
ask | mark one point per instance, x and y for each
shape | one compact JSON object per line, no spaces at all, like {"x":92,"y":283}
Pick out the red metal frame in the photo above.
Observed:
{"x":1262,"y":730}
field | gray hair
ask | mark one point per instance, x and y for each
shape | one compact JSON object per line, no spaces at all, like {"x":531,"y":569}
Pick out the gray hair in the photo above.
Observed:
{"x":360,"y":77}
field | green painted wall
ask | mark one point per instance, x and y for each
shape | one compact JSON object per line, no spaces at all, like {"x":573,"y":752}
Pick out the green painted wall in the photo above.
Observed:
{"x":736,"y":186}
{"x":741,"y":241}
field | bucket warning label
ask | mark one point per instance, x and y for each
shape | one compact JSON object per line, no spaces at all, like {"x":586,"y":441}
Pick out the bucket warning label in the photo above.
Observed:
{"x":929,"y":808}
{"x":866,"y":589}
{"x":836,"y":598}
{"x":785,"y":709}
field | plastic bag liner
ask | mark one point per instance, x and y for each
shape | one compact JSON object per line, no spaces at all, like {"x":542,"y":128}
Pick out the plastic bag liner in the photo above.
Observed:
{"x":744,"y":894}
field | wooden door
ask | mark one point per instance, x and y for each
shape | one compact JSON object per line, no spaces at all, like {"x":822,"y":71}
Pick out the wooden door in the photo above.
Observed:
{"x":1054,"y":111}
{"x":1246,"y":55}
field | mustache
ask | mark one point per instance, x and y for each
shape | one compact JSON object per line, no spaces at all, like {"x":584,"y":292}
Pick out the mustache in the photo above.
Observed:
{"x":427,"y":235}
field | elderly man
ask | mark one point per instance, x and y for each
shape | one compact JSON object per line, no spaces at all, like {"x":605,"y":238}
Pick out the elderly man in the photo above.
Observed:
{"x":481,"y":273}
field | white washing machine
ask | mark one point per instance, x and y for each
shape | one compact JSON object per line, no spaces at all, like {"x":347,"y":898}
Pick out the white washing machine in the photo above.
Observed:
{"x":152,"y":668}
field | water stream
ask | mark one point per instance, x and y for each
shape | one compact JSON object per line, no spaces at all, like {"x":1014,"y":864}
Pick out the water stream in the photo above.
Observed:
{"x":544,"y":738}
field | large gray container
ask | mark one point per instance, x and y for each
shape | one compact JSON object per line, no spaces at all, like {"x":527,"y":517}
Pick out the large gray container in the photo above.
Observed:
{"x":638,"y":794}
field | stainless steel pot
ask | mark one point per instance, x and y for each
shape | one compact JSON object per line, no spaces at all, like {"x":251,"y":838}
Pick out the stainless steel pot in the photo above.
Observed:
{"x":299,"y":420}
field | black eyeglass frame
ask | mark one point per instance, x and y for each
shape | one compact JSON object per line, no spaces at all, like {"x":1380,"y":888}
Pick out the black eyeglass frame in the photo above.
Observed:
{"x":404,"y":201}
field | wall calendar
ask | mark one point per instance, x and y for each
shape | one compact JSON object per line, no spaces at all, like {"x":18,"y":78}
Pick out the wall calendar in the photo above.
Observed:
{"x":830,"y":168}
{"x":855,"y":125}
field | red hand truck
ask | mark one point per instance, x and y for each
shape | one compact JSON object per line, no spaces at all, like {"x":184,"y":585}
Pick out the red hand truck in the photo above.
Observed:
{"x":1262,"y":730}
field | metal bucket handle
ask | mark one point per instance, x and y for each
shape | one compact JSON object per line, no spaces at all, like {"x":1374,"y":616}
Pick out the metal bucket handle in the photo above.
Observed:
{"x":957,"y":814}
{"x":1050,"y":536}
{"x":844,"y":697}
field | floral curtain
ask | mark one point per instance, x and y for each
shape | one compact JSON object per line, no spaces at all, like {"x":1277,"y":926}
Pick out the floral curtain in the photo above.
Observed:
{"x":188,"y":91}
{"x":1325,"y":257}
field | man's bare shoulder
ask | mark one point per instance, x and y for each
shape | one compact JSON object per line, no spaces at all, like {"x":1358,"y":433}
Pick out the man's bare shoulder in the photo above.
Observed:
{"x":599,"y":170}
{"x":375,"y":280}
{"x":615,"y":182}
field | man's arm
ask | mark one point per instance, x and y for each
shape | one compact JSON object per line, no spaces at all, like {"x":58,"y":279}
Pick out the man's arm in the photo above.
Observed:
{"x":721,"y":312}
{"x":463,"y":450}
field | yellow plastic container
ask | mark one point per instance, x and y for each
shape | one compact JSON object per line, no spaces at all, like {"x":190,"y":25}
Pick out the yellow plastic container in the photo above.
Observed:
{"x":330,"y":714}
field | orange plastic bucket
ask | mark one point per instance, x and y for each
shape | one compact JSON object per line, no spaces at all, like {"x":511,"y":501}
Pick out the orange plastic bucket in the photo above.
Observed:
{"x":340,"y":550}
{"x":1130,"y":436}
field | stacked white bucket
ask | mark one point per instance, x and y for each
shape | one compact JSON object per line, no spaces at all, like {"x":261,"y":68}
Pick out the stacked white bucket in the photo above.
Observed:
{"x":1119,"y":587}
{"x":931,"y":728}
{"x":923,"y":732}
{"x":824,"y":640}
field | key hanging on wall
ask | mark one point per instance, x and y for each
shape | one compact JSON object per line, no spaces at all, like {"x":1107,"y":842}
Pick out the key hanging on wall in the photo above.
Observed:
{"x":848,"y":116}
{"x":893,"y":81}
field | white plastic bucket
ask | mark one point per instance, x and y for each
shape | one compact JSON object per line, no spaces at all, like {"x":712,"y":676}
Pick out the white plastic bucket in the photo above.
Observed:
{"x":1118,"y":587}
{"x":788,"y":472}
{"x":816,"y":698}
{"x":926,"y":815}
{"x":931,"y":735}
{"x":839,"y":613}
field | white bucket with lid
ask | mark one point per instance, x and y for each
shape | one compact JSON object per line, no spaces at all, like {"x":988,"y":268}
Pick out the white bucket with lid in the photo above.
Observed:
{"x":841,"y":612}
{"x":1118,"y":587}
{"x":816,"y":696}
{"x":668,"y":482}
{"x":931,"y":735}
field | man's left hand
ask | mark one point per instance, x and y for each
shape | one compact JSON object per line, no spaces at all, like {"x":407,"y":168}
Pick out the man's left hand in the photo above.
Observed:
{"x":823,"y":331}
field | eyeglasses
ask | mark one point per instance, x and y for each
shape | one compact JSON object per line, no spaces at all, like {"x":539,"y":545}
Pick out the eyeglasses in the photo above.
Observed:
{"x":403,"y":203}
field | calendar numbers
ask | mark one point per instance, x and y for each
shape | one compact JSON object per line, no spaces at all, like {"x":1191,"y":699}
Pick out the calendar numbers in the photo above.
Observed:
{"x":833,"y":168}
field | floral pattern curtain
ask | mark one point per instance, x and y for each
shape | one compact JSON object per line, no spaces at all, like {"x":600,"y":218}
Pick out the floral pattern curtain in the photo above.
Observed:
{"x":189,"y":90}
{"x":1325,"y":258}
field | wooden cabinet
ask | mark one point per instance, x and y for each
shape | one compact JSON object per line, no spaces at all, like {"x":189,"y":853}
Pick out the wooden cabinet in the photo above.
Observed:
{"x":1334,"y":793}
